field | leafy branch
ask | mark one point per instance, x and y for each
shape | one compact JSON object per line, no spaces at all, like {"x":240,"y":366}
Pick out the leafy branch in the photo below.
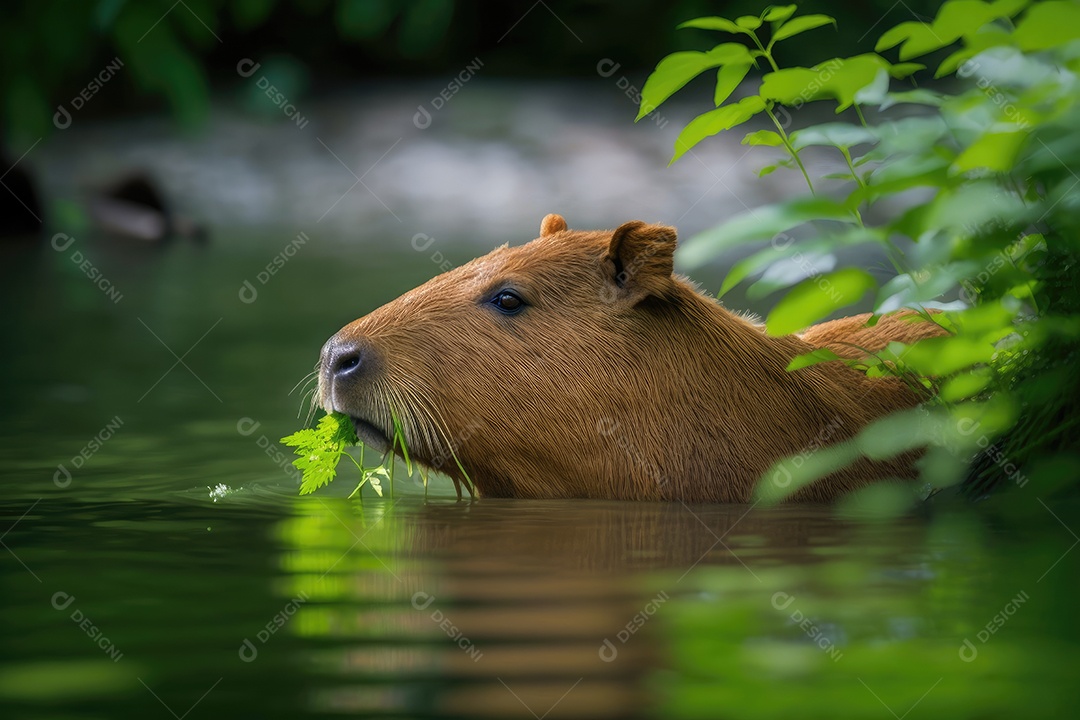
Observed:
{"x":982,"y":173}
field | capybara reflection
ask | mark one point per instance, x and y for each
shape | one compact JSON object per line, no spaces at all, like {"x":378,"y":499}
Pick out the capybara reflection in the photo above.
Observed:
{"x":579,"y":366}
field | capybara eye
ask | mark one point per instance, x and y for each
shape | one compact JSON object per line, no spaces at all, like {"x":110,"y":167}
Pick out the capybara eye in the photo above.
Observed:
{"x":508,"y":302}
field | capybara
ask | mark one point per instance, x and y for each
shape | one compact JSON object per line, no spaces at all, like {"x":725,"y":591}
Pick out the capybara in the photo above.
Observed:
{"x":579,"y":366}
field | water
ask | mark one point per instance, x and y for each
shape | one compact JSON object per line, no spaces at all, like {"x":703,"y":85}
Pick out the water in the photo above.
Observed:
{"x":157,"y":561}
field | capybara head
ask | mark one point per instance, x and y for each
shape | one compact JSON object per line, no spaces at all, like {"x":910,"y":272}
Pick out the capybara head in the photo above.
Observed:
{"x":578,"y":365}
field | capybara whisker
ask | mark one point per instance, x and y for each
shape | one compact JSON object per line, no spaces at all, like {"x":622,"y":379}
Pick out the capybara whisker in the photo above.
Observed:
{"x":310,"y":376}
{"x":308,"y":398}
{"x":427,"y":425}
{"x":579,"y":365}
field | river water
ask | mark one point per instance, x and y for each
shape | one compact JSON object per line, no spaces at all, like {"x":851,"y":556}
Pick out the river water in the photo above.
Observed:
{"x":157,"y":561}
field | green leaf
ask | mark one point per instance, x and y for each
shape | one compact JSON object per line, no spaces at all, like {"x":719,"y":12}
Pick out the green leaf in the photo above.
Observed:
{"x":923,"y":40}
{"x":779,"y":13}
{"x":749,"y":266}
{"x":966,"y":385}
{"x":993,"y":151}
{"x":973,"y":205}
{"x":300,"y":438}
{"x":955,"y":19}
{"x":840,"y":78}
{"x":320,"y":450}
{"x":910,"y":136}
{"x":896,"y":35}
{"x":800,"y":25}
{"x":903,"y":174}
{"x":794,"y":267}
{"x":767,"y":138}
{"x":842,"y":135}
{"x":913,"y":290}
{"x":770,"y":169}
{"x":791,"y":85}
{"x":318,"y":470}
{"x":811,"y":358}
{"x":728,"y":78}
{"x":712,"y":23}
{"x":902,"y":431}
{"x":903,"y":70}
{"x":988,"y":38}
{"x":338,"y":428}
{"x":759,"y":224}
{"x":815,"y":298}
{"x":1047,"y":25}
{"x":943,"y":356}
{"x":749,"y":22}
{"x":919,"y":96}
{"x":791,"y":474}
{"x":399,"y":441}
{"x":677,"y":69}
{"x":716,"y":121}
{"x":783,"y":246}
{"x":1007,"y":8}
{"x":374,"y":478}
{"x":875,"y":92}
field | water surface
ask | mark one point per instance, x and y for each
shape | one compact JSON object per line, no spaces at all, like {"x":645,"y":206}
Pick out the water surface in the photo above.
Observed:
{"x":157,"y":561}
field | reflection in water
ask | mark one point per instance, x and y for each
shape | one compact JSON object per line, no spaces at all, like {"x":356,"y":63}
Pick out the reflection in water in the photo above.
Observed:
{"x":509,"y":609}
{"x":306,"y":607}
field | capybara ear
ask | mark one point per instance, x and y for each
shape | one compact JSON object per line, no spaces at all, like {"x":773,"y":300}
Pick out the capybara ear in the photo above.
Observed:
{"x":552,"y":224}
{"x":641,"y":258}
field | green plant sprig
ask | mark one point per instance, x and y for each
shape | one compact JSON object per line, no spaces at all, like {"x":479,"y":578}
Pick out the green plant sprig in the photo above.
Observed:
{"x":320,"y":450}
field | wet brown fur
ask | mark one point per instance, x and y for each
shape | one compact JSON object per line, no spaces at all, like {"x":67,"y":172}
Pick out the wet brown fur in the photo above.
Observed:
{"x":618,"y":380}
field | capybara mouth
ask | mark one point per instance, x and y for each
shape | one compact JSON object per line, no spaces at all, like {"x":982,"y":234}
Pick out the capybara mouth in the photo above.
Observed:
{"x":370,"y":435}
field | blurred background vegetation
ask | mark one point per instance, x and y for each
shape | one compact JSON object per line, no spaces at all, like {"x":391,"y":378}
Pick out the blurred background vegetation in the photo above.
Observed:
{"x":48,"y":46}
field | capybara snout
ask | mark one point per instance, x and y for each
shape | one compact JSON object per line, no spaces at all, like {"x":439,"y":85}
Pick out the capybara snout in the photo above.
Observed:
{"x":579,"y":365}
{"x":343,"y":359}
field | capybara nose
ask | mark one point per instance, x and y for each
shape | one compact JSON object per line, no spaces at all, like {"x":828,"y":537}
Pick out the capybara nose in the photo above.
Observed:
{"x":343,"y":359}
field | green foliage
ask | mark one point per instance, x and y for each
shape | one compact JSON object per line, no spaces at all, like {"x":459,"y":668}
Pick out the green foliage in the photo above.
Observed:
{"x":161,"y":46}
{"x":321,"y":449}
{"x":803,"y":305}
{"x":984,"y":170}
